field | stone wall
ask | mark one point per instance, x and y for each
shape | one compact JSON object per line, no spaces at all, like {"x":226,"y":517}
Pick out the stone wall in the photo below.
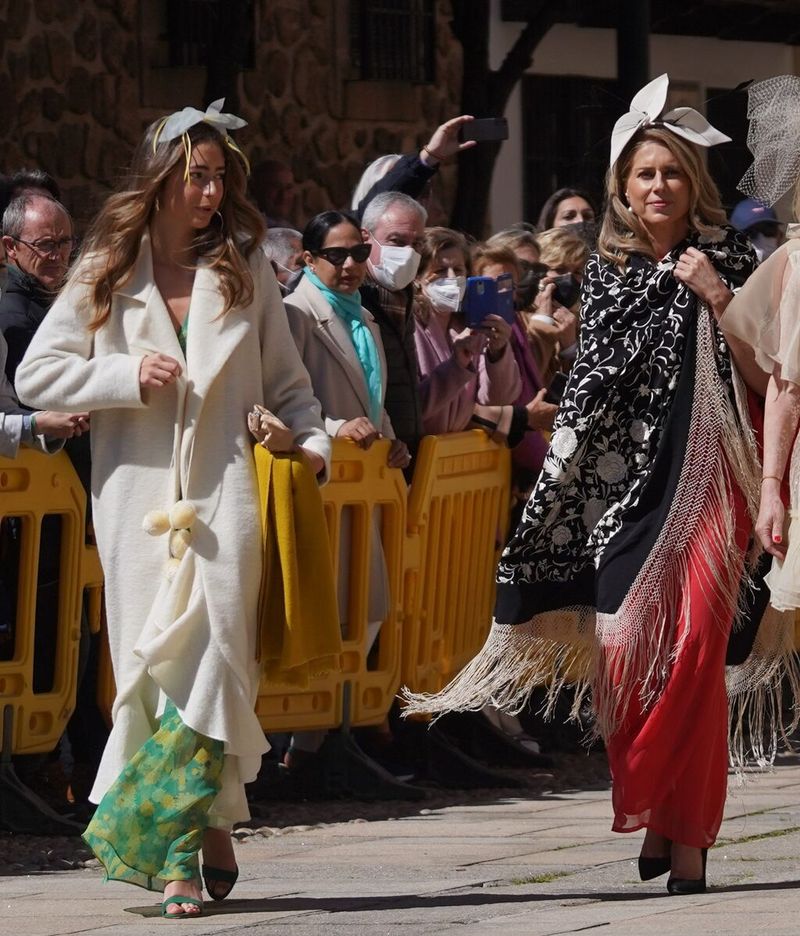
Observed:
{"x":80,"y":81}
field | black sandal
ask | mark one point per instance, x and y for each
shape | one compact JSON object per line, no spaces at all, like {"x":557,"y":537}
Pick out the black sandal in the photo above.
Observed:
{"x":212,"y":877}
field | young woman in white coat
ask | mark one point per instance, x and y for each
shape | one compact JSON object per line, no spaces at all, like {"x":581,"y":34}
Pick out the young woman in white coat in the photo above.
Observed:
{"x":340,"y":344}
{"x":168,"y":332}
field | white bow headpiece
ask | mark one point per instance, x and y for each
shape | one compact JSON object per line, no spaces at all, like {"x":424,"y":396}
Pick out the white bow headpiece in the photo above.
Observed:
{"x":647,"y":110}
{"x":179,"y":123}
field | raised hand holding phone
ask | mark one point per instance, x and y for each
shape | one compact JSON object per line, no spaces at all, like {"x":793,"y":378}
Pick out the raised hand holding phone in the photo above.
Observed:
{"x":485,"y":129}
{"x":446,"y":141}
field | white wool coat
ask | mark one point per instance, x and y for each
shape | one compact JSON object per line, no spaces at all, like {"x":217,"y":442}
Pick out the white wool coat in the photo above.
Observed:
{"x":192,"y":638}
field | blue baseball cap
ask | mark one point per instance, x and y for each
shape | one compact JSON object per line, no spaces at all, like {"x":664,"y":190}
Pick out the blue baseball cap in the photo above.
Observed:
{"x":749,"y":213}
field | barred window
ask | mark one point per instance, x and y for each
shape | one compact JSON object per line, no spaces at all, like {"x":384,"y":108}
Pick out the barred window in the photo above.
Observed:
{"x":393,"y":40}
{"x":567,"y":126}
{"x":193,"y":26}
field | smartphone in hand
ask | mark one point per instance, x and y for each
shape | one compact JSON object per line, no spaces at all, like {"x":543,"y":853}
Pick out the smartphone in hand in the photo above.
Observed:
{"x":483,"y":129}
{"x":486,"y":295}
{"x":556,"y":389}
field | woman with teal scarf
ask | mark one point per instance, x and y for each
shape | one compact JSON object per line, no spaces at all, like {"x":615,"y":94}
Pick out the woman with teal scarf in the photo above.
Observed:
{"x":340,"y":344}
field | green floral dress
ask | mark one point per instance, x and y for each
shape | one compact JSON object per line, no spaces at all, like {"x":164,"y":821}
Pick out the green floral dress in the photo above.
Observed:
{"x":149,"y":826}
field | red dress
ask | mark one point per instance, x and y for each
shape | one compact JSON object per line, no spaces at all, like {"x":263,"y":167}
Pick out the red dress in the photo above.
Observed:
{"x":669,"y":765}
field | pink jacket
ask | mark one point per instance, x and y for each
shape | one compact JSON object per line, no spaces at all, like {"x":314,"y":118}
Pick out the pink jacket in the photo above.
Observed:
{"x":448,"y":391}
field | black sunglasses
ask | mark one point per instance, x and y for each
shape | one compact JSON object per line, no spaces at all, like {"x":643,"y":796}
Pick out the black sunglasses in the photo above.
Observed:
{"x":338,"y":255}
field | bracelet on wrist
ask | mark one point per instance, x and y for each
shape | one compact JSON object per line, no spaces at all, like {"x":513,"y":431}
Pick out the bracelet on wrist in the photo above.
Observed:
{"x":431,"y":155}
{"x":34,"y":430}
{"x":771,"y":478}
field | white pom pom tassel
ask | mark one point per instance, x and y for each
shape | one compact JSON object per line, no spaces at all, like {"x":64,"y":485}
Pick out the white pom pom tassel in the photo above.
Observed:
{"x":156,"y":522}
{"x":182,"y":515}
{"x":179,"y":542}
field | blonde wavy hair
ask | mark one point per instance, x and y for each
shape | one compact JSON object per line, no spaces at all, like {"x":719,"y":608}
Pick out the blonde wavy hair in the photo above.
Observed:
{"x":112,"y":243}
{"x":622,"y":233}
{"x":560,"y":247}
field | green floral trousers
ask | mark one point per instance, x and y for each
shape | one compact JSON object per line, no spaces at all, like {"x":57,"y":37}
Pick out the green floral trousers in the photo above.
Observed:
{"x":149,"y":827}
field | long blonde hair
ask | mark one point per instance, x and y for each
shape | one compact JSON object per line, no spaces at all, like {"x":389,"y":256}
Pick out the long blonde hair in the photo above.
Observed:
{"x":622,"y":233}
{"x":112,"y":243}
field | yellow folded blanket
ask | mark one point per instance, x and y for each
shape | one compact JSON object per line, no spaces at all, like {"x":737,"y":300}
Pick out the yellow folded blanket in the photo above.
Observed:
{"x":298,"y":629}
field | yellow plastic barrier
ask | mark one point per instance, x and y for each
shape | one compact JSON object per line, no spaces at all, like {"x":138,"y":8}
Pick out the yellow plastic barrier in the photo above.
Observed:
{"x":361,"y":487}
{"x":440,"y":541}
{"x":33,"y":486}
{"x":458,"y":507}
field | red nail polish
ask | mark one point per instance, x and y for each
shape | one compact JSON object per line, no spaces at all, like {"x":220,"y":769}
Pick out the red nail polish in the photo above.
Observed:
{"x":777,"y":539}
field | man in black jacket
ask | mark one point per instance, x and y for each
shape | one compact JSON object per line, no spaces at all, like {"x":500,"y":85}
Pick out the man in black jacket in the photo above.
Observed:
{"x":38,"y":241}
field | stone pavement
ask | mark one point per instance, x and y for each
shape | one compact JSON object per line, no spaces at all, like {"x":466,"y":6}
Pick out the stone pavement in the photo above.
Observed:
{"x":538,"y":867}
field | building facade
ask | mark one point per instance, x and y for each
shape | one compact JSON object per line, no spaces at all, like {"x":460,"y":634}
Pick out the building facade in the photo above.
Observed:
{"x":326,"y":86}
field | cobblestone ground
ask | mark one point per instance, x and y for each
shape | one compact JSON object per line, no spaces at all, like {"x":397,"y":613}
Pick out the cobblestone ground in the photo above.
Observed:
{"x":27,"y":854}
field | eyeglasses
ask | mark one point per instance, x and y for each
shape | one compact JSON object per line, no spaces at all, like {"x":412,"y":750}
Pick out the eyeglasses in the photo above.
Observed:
{"x":338,"y":255}
{"x":47,"y":246}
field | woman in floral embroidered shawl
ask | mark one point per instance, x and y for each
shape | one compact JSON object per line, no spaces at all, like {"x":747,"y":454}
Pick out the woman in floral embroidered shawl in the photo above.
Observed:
{"x":627,"y":569}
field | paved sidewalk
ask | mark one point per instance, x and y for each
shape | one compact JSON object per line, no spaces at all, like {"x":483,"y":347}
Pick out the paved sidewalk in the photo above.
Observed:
{"x":537,"y":867}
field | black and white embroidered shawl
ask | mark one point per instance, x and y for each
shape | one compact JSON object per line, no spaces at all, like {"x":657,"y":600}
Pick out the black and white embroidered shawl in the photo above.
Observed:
{"x":638,"y":337}
{"x":650,"y":438}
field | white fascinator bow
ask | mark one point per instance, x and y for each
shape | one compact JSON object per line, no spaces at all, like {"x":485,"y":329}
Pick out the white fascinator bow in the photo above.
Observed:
{"x":179,"y":123}
{"x":647,"y":110}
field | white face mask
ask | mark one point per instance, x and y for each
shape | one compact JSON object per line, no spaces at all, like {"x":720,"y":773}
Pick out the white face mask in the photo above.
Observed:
{"x":397,"y":268}
{"x":764,"y":246}
{"x":446,"y":292}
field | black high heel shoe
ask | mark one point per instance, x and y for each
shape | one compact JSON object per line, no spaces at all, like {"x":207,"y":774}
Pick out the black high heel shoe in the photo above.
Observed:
{"x":650,"y":868}
{"x":219,"y":882}
{"x":684,"y":886}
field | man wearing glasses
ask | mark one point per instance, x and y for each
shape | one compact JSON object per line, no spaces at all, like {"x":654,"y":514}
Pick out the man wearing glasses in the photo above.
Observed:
{"x":38,"y":241}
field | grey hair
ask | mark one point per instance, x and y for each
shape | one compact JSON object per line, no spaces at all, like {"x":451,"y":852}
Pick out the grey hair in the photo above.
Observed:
{"x":375,"y":171}
{"x":277,"y":245}
{"x":379,"y":205}
{"x":17,"y":210}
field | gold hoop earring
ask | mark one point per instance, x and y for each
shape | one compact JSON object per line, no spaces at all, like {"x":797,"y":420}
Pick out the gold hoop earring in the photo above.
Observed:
{"x":157,"y":204}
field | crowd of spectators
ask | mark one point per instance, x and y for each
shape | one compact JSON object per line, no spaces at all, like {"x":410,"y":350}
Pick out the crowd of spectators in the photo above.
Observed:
{"x":374,"y":294}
